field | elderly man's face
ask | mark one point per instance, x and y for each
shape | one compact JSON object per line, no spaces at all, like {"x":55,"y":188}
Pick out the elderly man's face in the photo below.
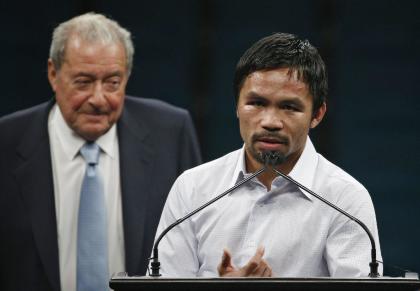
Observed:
{"x":90,"y":86}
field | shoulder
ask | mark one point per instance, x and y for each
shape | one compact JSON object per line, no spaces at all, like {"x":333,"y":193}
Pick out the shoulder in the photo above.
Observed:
{"x":225,"y":163}
{"x":156,"y":113}
{"x":13,"y":126}
{"x":22,"y":116}
{"x":217,"y":172}
{"x":341,"y":189}
{"x":336,"y":174}
{"x":152,"y":106}
{"x":157,"y":116}
{"x":337,"y":184}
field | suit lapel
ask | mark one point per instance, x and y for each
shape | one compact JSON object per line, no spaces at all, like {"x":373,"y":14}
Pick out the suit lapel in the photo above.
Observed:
{"x":34,"y":175}
{"x":136,"y":165}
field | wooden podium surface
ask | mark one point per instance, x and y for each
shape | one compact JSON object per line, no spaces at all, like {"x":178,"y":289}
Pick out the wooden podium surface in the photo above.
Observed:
{"x":120,"y":283}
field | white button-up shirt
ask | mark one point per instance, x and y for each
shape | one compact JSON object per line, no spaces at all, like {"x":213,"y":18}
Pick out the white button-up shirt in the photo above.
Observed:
{"x":68,"y":168}
{"x":302,"y":236}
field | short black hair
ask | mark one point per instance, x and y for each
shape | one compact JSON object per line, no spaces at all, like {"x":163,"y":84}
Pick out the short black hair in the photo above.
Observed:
{"x":284,"y":50}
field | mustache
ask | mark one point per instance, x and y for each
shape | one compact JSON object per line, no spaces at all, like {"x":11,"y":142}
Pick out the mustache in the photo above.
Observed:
{"x":270,"y":135}
{"x":94,"y":111}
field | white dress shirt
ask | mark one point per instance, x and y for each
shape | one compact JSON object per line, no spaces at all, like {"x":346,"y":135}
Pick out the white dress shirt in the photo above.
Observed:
{"x":68,"y":168}
{"x":302,"y":236}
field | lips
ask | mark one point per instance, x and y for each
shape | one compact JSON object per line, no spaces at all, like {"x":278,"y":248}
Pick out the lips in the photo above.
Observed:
{"x":94,"y":117}
{"x":270,"y":142}
{"x":94,"y":112}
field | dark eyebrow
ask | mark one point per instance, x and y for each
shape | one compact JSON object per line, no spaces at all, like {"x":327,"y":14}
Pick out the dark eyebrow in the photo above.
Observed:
{"x":83,"y":74}
{"x":254,"y":95}
{"x":287,"y":100}
{"x":93,"y":76}
{"x":114,"y":74}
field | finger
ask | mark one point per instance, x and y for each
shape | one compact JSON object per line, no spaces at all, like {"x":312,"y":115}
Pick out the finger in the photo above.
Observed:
{"x":226,"y":258}
{"x":268,"y":272}
{"x":254,"y":262}
{"x":225,"y":263}
{"x":258,"y":272}
{"x":260,"y":251}
{"x":260,"y":269}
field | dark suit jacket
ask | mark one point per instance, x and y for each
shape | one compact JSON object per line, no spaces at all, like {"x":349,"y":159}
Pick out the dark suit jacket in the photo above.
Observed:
{"x":157,"y":143}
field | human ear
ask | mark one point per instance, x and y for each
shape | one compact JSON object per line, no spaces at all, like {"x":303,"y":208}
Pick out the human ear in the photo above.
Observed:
{"x":52,"y":74}
{"x":319,"y":115}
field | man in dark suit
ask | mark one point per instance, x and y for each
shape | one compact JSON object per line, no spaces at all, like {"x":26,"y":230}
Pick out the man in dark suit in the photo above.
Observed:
{"x":144,"y":145}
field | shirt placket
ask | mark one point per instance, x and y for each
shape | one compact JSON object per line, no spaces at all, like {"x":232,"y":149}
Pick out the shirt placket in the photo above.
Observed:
{"x":256,"y":217}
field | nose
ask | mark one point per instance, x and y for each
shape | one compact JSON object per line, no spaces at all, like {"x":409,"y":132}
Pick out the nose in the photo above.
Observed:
{"x":272,"y":120}
{"x":97,"y":98}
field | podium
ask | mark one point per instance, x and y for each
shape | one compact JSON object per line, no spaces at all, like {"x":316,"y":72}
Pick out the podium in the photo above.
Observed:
{"x":124,"y":282}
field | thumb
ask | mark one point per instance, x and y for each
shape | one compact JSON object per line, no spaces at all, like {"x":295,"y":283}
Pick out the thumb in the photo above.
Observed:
{"x":226,"y":262}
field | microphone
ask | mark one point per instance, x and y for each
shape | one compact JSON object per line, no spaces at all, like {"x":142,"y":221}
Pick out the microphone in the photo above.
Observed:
{"x":276,"y":159}
{"x":155,"y":264}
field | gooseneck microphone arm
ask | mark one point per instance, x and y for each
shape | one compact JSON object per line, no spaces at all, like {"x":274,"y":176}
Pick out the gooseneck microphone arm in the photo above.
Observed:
{"x":374,"y":263}
{"x":155,"y":264}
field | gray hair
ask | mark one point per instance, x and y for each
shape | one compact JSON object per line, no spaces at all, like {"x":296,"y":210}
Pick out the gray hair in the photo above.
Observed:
{"x":91,"y":27}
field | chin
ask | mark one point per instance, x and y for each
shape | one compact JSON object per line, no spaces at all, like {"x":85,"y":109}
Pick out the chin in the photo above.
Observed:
{"x":92,"y":135}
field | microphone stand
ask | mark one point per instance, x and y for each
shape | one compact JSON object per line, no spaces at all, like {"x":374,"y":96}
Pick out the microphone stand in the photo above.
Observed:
{"x":155,"y":264}
{"x":374,"y":263}
{"x":270,"y":159}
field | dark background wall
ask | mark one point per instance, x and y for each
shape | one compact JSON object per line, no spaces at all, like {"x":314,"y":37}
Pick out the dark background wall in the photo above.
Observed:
{"x":186,"y":51}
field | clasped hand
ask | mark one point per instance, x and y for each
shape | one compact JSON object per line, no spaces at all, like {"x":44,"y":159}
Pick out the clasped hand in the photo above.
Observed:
{"x":256,"y":266}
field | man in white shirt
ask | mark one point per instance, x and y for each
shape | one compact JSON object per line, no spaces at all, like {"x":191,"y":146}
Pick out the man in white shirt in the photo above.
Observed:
{"x":270,"y":227}
{"x":144,"y":145}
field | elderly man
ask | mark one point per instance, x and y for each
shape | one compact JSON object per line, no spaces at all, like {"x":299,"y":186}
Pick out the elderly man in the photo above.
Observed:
{"x":270,"y":227}
{"x":84,"y":177}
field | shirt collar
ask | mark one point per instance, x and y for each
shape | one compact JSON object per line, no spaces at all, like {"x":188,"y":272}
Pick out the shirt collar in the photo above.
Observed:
{"x":240,"y":170}
{"x":303,"y":171}
{"x":71,"y":142}
{"x":305,"y":168}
